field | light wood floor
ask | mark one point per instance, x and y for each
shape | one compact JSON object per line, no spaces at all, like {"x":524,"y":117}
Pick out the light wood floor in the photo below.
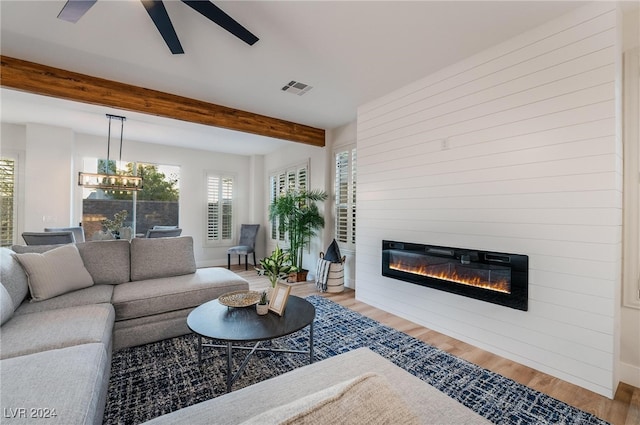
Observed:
{"x":623,"y":410}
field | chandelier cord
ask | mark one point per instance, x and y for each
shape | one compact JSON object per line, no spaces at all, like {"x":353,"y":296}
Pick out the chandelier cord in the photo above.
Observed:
{"x":109,"y":146}
{"x":121,"y":131}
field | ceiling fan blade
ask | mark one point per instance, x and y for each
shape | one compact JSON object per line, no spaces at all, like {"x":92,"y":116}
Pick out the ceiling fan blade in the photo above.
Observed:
{"x":160,"y":17}
{"x":214,"y":13}
{"x":75,"y":9}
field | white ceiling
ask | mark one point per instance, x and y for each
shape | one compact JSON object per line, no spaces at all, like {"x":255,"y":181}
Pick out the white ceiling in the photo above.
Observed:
{"x":351,"y":52}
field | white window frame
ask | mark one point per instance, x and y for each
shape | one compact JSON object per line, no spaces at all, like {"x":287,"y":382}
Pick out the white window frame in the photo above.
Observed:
{"x":223,"y":240}
{"x":292,"y":177}
{"x":345,"y":203}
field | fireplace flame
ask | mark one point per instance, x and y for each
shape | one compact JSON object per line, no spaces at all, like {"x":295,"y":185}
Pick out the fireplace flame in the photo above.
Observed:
{"x":452,"y":275}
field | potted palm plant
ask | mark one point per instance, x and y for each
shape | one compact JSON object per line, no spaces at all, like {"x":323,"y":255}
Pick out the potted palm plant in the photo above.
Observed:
{"x":298,"y":216}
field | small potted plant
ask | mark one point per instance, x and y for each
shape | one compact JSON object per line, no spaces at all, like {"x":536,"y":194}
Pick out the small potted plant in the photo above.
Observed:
{"x":276,"y":266}
{"x":262,"y":307}
{"x":114,"y":226}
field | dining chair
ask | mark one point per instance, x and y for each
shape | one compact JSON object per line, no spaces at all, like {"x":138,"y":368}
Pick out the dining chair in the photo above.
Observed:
{"x":78,"y":232}
{"x":48,"y":238}
{"x":163,"y":233}
{"x":246,"y":245}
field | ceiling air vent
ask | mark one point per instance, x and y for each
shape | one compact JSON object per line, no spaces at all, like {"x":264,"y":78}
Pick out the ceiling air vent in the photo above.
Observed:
{"x":295,"y":87}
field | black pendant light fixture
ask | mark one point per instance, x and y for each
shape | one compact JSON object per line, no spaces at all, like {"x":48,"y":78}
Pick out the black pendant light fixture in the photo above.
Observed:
{"x":107,"y":180}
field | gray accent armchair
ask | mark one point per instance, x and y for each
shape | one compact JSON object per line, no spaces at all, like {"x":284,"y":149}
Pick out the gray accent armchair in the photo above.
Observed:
{"x":246,"y":245}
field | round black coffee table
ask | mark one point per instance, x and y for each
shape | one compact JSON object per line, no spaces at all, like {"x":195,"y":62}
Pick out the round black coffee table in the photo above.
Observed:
{"x":243,"y":324}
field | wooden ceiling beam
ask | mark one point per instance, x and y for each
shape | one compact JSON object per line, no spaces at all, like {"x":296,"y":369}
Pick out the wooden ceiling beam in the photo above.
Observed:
{"x":45,"y":80}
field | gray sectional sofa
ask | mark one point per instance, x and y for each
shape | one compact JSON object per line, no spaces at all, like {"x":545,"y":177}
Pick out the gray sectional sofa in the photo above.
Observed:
{"x":60,"y":325}
{"x":65,"y":308}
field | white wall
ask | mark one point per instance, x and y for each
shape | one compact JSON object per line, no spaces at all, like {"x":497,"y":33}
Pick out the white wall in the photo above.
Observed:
{"x":48,"y":176}
{"x":293,"y":154}
{"x":630,"y":312}
{"x":514,"y":150}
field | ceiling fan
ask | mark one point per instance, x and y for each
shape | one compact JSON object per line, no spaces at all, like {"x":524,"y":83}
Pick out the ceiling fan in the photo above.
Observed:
{"x":73,"y":10}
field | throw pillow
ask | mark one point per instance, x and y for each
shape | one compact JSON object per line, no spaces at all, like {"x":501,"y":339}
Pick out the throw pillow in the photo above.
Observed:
{"x":333,"y":253}
{"x":14,"y":278}
{"x":55,"y":272}
{"x":6,"y":305}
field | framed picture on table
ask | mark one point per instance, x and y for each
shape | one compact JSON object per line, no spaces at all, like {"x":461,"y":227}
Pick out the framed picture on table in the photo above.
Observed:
{"x":279,"y":298}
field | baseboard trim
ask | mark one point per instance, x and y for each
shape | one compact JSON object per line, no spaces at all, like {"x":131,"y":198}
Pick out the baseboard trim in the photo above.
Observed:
{"x":630,"y":374}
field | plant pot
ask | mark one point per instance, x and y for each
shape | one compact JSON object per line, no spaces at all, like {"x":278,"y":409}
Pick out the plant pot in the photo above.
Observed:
{"x":125,"y":233}
{"x":102,"y":236}
{"x":300,"y":276}
{"x":262,"y":309}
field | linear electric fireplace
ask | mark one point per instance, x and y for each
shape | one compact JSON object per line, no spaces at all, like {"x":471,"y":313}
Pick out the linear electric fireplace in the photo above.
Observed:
{"x":495,"y":277}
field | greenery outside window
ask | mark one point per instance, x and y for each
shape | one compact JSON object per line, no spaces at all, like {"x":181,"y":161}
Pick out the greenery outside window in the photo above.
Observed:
{"x":219,"y":214}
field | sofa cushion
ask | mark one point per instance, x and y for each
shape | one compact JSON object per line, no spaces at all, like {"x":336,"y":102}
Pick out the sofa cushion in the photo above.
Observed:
{"x":363,"y":400}
{"x":161,"y":257}
{"x":55,"y":272}
{"x":144,"y":330}
{"x":48,"y":330}
{"x":6,"y":305}
{"x":13,"y":277}
{"x":108,"y":262}
{"x":95,"y":294}
{"x":70,"y":382}
{"x":154,"y":296}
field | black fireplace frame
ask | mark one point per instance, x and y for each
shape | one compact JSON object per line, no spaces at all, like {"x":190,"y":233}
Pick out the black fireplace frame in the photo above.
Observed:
{"x":518,"y":298}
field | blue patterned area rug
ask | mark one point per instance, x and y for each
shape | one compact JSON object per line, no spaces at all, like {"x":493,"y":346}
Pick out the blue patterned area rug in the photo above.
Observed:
{"x":158,"y":378}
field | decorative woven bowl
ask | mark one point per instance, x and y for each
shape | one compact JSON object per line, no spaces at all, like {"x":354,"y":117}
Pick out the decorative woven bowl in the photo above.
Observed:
{"x":239,"y":298}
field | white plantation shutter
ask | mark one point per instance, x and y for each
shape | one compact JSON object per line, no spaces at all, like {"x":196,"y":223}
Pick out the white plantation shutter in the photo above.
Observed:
{"x":227,"y":208}
{"x":342,"y":196}
{"x":353,"y":198}
{"x":219,"y":208}
{"x":7,"y":206}
{"x":302,"y":178}
{"x":345,"y":193}
{"x":291,"y":178}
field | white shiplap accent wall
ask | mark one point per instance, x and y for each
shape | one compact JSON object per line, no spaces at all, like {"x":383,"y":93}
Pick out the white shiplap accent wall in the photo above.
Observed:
{"x":511,"y":150}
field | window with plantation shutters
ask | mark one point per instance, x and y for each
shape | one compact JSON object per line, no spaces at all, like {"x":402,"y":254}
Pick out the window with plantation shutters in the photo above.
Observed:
{"x":219,"y":208}
{"x":7,"y":207}
{"x":345,"y":197}
{"x":281,"y":181}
